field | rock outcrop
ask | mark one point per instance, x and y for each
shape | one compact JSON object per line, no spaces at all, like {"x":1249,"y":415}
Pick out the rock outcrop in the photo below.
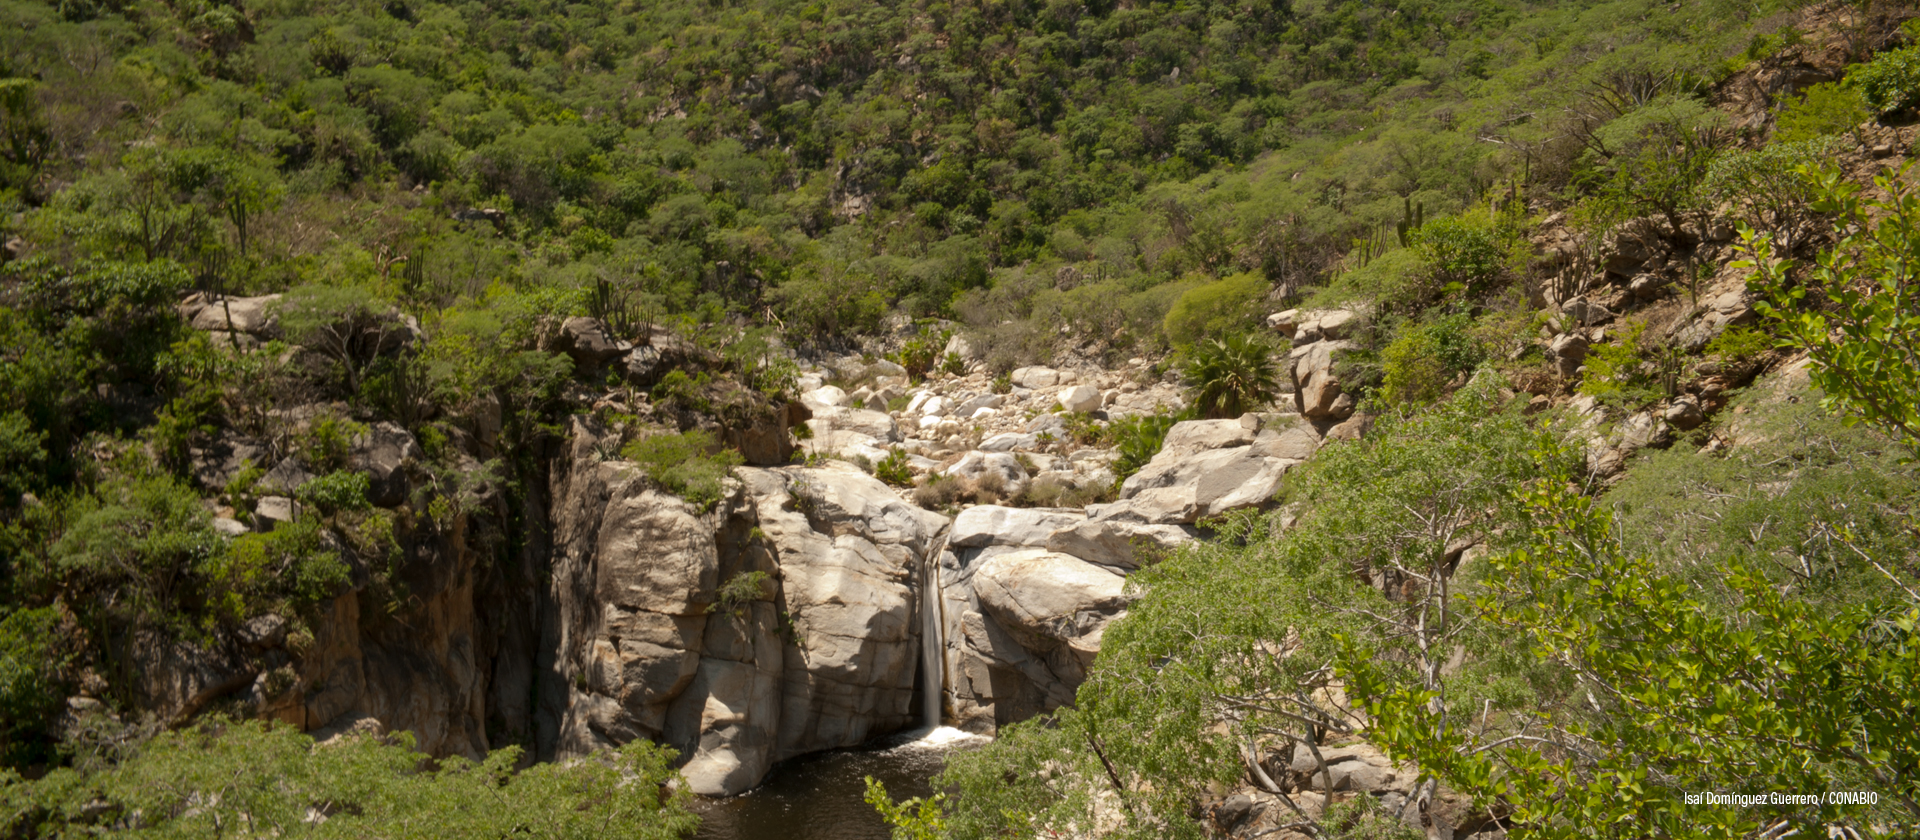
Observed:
{"x":780,"y":623}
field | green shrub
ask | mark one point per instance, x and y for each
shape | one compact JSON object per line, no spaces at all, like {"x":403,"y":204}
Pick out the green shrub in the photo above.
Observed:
{"x":31,"y":662}
{"x":1616,"y":373}
{"x":1825,"y":109}
{"x":1136,"y":440}
{"x":328,"y":442}
{"x":204,"y":780}
{"x":1223,"y":307}
{"x":738,"y":591}
{"x":293,"y":561}
{"x":141,"y":544}
{"x":1463,"y":253}
{"x":1738,"y":345}
{"x":336,"y":492}
{"x":23,"y":457}
{"x":681,"y":465}
{"x":684,"y":391}
{"x":1391,"y":280}
{"x":1003,"y":384}
{"x":1417,"y":366}
{"x":1890,"y":83}
{"x":1232,"y":377}
{"x":919,"y":354}
{"x":894,"y":469}
{"x":953,"y":365}
{"x":1769,"y":189}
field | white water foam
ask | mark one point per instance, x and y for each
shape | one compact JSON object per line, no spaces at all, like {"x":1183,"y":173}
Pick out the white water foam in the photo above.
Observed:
{"x":936,"y":738}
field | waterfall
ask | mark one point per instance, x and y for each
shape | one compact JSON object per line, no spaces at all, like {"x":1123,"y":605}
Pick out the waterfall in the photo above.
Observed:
{"x":932,"y":640}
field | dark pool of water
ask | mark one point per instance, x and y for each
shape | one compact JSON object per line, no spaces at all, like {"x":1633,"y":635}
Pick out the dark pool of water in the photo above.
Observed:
{"x":821,"y":797}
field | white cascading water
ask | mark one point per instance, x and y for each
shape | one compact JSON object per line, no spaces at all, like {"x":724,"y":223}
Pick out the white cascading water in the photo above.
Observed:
{"x":932,"y":642}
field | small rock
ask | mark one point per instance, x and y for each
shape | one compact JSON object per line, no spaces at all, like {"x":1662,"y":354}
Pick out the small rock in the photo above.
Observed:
{"x":274,"y":509}
{"x":1568,"y":351}
{"x":1036,"y":377}
{"x":1645,"y":286}
{"x":1685,"y":414}
{"x":1008,"y":441}
{"x":826,"y":396}
{"x":587,"y":341}
{"x":1337,"y":324}
{"x":1080,"y":398}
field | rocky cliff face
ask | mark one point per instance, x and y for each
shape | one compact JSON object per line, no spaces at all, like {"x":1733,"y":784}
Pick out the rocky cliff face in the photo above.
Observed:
{"x":811,"y":608}
{"x":813,"y":646}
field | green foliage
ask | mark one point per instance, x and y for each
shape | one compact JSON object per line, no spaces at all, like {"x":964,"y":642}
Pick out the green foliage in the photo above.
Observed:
{"x":1394,"y":280}
{"x":1233,"y":376}
{"x":677,"y":388}
{"x":913,"y":819}
{"x":31,"y":664}
{"x":1652,"y":161}
{"x":1425,"y":357}
{"x":1739,"y":345}
{"x":758,"y":358}
{"x":920,"y":354}
{"x":337,"y":492}
{"x":328,"y":441}
{"x":690,"y":465}
{"x":1864,"y":342}
{"x":145,"y":537}
{"x":1769,"y":189}
{"x":1823,"y":110}
{"x":895,"y":468}
{"x":1223,"y":307}
{"x":23,"y":457}
{"x":738,"y":591}
{"x":1464,"y":253}
{"x":1890,"y":83}
{"x":1769,"y":692}
{"x":293,"y":561}
{"x":205,"y":780}
{"x":1136,"y":440}
{"x":349,"y":325}
{"x":1617,"y":373}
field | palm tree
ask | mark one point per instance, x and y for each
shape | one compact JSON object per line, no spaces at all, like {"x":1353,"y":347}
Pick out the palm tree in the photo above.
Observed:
{"x":1232,"y":377}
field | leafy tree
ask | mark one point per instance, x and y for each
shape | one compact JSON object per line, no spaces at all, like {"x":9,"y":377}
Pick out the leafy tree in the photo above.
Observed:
{"x":1865,"y":340}
{"x":1776,"y":694}
{"x":350,"y":325}
{"x":1223,"y":307}
{"x":221,"y":778}
{"x":1769,"y":189}
{"x":1890,"y":83}
{"x":1420,"y":362}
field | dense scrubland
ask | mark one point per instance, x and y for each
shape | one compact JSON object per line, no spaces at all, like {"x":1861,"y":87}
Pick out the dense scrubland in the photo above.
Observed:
{"x":434,"y":188}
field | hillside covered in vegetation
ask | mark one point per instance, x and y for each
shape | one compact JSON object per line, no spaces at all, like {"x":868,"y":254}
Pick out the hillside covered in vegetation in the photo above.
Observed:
{"x":318,"y":321}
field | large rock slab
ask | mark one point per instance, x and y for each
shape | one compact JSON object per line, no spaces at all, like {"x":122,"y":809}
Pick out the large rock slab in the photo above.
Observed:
{"x":874,"y":424}
{"x":985,"y":525}
{"x":254,"y":315}
{"x":1045,"y":600}
{"x":1200,"y":435}
{"x":1118,"y":544}
{"x":1316,"y":386}
{"x":1221,"y":479}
